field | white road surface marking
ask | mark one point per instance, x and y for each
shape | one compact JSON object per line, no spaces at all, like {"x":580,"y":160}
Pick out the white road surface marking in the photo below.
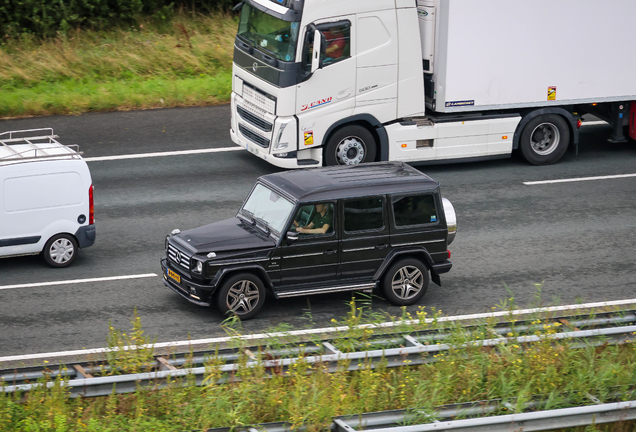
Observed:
{"x":579,"y":179}
{"x":210,"y":341}
{"x":163,"y":154}
{"x":78,"y":281}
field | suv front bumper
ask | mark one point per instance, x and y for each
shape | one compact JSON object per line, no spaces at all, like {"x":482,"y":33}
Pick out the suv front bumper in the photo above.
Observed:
{"x":202,"y":295}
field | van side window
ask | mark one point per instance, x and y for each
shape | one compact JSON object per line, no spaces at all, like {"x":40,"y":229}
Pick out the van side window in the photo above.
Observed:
{"x":363,"y":214}
{"x":338,"y":38}
{"x":414,"y":210}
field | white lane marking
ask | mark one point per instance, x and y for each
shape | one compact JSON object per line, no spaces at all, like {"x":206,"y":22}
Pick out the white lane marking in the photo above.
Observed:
{"x":326,"y":330}
{"x":77,"y":281}
{"x":162,"y":154}
{"x":579,"y":179}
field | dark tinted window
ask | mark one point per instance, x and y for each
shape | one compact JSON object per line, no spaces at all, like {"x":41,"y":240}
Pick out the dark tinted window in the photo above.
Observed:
{"x":363,"y":214}
{"x":414,"y":210}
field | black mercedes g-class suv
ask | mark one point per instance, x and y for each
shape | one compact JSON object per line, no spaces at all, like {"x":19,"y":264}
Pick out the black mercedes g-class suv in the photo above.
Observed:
{"x":318,"y":231}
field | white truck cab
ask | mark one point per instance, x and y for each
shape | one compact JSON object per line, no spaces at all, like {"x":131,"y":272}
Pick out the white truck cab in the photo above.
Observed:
{"x":332,"y":82}
{"x":46,"y":198}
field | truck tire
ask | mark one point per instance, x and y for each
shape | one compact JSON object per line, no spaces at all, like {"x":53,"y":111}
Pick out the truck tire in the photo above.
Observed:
{"x":242,"y":294}
{"x":545,"y":139}
{"x":60,"y":251}
{"x":351,"y":145}
{"x":406,"y":282}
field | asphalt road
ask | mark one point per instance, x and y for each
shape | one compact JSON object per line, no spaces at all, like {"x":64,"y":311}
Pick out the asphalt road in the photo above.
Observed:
{"x":576,"y":239}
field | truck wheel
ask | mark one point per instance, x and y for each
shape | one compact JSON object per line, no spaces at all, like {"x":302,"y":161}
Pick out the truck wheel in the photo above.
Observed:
{"x":351,"y":145}
{"x":60,"y":250}
{"x":242,"y":295}
{"x":545,"y":139}
{"x":406,"y":282}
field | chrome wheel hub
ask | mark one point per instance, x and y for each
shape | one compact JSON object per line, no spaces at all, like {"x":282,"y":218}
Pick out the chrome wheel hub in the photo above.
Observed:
{"x":407,"y":282}
{"x":350,"y":151}
{"x":242,"y":297}
{"x":545,"y":139}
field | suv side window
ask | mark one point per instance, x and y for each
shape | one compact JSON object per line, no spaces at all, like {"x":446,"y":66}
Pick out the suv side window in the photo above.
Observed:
{"x":363,"y":215}
{"x":414,"y":210}
{"x":314,"y":219}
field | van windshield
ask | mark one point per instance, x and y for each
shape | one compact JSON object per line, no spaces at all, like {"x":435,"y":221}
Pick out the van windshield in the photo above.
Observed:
{"x":268,"y":33}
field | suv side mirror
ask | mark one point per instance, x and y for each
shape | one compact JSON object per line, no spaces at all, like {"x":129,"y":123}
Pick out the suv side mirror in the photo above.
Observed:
{"x":292,"y":236}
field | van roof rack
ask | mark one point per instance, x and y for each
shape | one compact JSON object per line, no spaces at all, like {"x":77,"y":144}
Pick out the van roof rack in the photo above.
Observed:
{"x":31,"y":144}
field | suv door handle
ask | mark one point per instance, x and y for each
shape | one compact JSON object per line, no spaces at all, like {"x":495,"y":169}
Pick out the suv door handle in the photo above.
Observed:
{"x":382,"y":246}
{"x":330,"y":252}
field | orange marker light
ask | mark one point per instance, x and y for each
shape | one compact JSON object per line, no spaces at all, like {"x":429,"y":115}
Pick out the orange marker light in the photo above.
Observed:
{"x":504,"y":137}
{"x":404,"y":145}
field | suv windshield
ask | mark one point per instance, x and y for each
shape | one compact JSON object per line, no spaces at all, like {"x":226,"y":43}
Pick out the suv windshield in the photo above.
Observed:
{"x":268,"y":207}
{"x":268,"y":33}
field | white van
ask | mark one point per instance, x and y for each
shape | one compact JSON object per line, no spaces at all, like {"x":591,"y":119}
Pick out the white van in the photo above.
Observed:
{"x":46,"y":197}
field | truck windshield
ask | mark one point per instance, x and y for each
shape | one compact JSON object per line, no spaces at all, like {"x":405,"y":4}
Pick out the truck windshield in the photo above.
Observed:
{"x":267,"y":207}
{"x":268,"y":33}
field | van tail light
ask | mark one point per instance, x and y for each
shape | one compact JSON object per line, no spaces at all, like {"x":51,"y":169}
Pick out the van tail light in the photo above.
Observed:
{"x":91,"y":207}
{"x":448,"y":254}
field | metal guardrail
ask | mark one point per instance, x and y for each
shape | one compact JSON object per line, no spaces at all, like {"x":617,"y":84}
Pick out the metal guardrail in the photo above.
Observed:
{"x":479,"y":419}
{"x":380,"y":342}
{"x":532,"y":421}
{"x":412,"y":353}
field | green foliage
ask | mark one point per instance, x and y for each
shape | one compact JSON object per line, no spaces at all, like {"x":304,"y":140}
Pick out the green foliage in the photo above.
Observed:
{"x":48,"y":17}
{"x":130,"y":352}
{"x":185,"y":61}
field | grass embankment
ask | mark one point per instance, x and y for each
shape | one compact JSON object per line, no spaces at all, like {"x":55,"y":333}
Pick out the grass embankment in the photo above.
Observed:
{"x":185,"y":62}
{"x":308,"y":395}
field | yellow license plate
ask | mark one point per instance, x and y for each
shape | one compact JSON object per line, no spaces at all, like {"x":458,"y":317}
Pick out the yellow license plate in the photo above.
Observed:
{"x":174,"y":276}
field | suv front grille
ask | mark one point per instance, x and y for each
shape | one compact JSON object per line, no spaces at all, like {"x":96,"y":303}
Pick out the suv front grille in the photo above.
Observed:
{"x":179,"y":257}
{"x":254,"y":119}
{"x":253,"y":136}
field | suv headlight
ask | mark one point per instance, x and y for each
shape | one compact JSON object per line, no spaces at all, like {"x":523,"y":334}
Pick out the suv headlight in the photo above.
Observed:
{"x":198,"y":267}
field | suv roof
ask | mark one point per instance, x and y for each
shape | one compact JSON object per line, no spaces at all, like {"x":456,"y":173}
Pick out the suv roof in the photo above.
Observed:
{"x":351,"y":181}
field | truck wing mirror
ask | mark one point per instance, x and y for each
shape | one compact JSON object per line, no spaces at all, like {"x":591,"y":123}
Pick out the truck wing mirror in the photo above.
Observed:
{"x":315,"y":56}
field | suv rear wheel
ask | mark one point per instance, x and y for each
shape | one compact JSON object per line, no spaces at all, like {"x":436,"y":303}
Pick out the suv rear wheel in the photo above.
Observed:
{"x":242,"y":295}
{"x":406,"y":282}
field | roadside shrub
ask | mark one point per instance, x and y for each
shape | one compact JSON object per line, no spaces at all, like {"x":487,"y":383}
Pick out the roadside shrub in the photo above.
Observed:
{"x":44,"y":18}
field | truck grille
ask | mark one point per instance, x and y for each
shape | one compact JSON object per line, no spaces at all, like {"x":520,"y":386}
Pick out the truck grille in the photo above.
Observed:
{"x":254,"y":119}
{"x":179,"y":257}
{"x":259,"y":99}
{"x":253,"y":136}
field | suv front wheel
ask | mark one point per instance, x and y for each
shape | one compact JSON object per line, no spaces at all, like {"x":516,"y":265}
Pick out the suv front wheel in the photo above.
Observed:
{"x":406,"y":282}
{"x":242,"y":295}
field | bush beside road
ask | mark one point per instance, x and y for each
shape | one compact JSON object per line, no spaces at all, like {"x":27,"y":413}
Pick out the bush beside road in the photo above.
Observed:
{"x":183,"y":61}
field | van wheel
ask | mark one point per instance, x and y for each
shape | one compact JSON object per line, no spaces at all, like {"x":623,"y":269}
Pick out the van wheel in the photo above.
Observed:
{"x":545,"y":139}
{"x":351,"y":145}
{"x":60,"y":250}
{"x":242,"y":295}
{"x":406,"y":282}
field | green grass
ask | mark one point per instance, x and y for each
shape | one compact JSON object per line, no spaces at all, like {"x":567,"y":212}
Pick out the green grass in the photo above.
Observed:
{"x":186,"y":62}
{"x":308,"y":395}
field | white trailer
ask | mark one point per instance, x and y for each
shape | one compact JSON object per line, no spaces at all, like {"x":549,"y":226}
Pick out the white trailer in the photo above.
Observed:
{"x":327,"y":82}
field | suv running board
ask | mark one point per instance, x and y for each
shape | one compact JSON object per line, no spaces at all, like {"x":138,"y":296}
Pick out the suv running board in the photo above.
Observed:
{"x":367,"y":287}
